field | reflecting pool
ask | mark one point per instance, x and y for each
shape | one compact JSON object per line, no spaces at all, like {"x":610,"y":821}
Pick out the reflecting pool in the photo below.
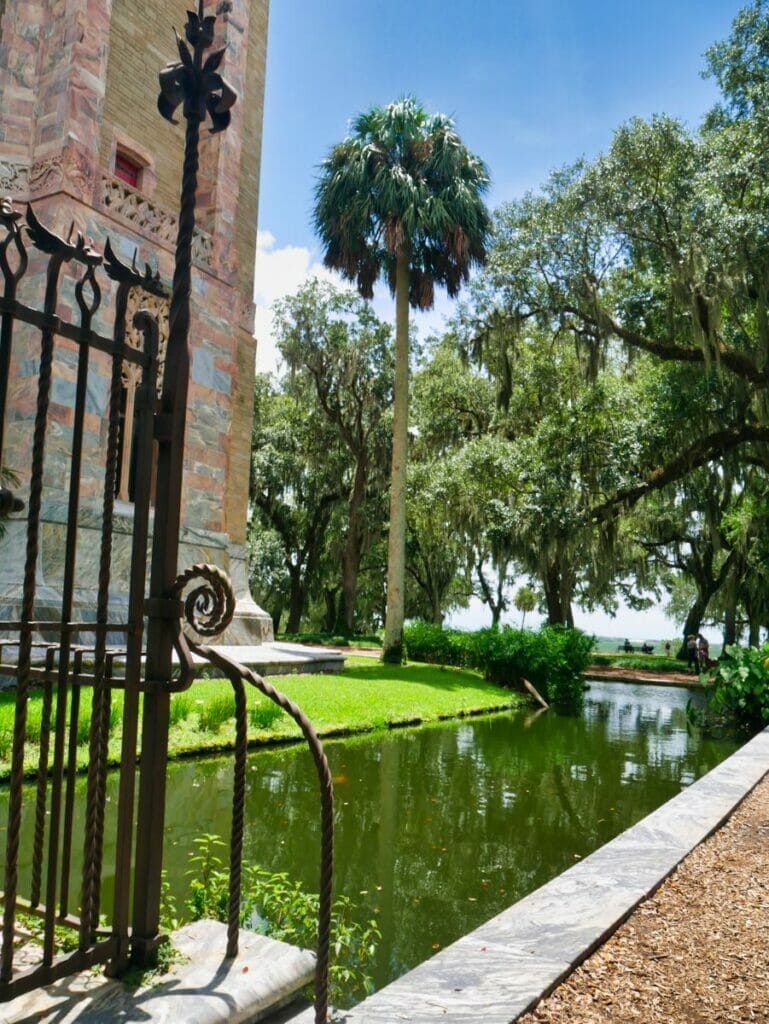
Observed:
{"x":441,"y":827}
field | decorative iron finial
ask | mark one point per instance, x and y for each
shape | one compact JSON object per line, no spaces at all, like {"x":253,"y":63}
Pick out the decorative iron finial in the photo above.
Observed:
{"x":193,"y":82}
{"x":49,"y":242}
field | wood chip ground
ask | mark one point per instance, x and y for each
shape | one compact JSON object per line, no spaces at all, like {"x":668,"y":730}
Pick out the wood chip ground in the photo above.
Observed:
{"x":696,"y":952}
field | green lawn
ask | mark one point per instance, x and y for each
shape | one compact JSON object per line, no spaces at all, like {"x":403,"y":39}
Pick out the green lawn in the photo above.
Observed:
{"x":366,"y":696}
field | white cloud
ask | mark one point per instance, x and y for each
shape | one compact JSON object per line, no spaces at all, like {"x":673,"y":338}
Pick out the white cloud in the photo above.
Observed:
{"x":281,"y":270}
{"x":278,"y":272}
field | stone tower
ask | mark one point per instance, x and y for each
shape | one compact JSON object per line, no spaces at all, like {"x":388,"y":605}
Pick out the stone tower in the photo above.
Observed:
{"x":81,"y":138}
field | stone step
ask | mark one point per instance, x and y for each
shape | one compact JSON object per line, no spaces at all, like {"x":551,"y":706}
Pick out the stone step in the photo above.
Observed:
{"x":201,"y":988}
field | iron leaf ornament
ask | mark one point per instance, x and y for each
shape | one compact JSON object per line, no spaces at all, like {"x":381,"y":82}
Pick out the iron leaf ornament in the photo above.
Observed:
{"x":195,"y":82}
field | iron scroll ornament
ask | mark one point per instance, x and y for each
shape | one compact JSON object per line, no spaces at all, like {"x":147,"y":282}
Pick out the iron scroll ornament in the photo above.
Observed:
{"x":210,"y":606}
{"x":208,"y":609}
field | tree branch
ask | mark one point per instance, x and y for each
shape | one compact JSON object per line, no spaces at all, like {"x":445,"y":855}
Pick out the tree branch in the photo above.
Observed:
{"x":739,"y":363}
{"x":697,"y":454}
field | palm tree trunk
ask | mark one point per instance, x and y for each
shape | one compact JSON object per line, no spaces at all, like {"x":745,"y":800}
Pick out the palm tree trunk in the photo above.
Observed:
{"x":392,"y":651}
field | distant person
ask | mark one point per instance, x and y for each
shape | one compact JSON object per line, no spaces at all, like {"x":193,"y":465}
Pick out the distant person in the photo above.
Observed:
{"x":691,"y":653}
{"x":668,"y":649}
{"x":627,"y":647}
{"x":703,"y":653}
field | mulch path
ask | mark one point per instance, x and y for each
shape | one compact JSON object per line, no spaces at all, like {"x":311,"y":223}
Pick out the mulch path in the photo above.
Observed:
{"x":696,"y":952}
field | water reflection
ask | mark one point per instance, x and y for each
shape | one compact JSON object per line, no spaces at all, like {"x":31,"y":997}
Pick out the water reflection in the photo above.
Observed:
{"x":439,"y":828}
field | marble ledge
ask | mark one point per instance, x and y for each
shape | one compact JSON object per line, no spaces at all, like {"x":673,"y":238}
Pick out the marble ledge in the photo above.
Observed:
{"x":499,"y":971}
{"x":202,"y":988}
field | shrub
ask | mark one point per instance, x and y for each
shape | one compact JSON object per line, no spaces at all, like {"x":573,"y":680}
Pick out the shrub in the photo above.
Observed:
{"x":435,"y":645}
{"x":6,"y":741}
{"x":333,"y":640}
{"x":552,"y":659}
{"x":181,"y":706}
{"x":263,"y":714}
{"x":217,"y":710}
{"x":83,"y":726}
{"x":209,"y":881}
{"x":274,"y":905}
{"x":741,"y":685}
{"x":645,"y":662}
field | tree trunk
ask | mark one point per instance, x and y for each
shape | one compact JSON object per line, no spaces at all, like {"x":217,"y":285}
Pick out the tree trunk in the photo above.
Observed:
{"x":352,"y":549}
{"x":330,"y":621}
{"x":693,"y":621}
{"x":295,"y":601}
{"x":754,"y":634}
{"x":557,"y":596}
{"x":553,"y":595}
{"x":495,"y":601}
{"x":396,"y":545}
{"x":276,"y":615}
{"x":730,"y":614}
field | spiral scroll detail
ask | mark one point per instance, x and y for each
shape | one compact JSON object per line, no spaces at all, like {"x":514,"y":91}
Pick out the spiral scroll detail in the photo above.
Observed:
{"x":210,"y":605}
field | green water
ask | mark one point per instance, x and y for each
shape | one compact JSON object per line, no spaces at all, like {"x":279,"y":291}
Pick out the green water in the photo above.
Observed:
{"x":441,"y":827}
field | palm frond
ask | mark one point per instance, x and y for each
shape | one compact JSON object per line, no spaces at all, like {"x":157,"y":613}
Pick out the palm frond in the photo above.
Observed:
{"x":403,"y":180}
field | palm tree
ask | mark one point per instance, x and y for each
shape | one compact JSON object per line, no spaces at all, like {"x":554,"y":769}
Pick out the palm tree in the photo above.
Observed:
{"x":401,"y":198}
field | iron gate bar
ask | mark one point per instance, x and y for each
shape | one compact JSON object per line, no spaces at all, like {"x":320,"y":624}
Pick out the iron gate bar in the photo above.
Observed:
{"x":9,"y":218}
{"x":68,"y":665}
{"x":92,"y":260}
{"x":208,"y":608}
{"x":25,"y":638}
{"x":195,"y":84}
{"x":63,"y":662}
{"x":133,"y":663}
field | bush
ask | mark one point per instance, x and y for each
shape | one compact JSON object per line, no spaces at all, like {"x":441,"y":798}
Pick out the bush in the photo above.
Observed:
{"x":181,"y":708}
{"x":333,"y":640}
{"x":262,"y":715}
{"x":216,"y":711}
{"x":435,"y":645}
{"x":741,"y":685}
{"x":645,"y":662}
{"x":552,"y":659}
{"x":276,"y":906}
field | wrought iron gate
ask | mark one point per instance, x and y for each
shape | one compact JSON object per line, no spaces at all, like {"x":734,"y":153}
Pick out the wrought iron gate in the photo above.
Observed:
{"x":143,"y":649}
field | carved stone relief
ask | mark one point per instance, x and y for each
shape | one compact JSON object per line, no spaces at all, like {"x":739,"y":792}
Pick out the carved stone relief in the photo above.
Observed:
{"x":150,"y":218}
{"x":14,"y":178}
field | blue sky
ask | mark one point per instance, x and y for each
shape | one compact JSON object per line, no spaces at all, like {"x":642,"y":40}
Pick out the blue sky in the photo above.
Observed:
{"x":532,"y":85}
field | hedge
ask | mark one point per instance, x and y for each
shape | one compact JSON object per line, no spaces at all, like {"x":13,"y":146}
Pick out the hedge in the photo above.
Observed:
{"x":553,"y":658}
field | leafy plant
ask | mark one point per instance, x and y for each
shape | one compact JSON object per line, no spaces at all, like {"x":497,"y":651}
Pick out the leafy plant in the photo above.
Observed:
{"x":6,"y":741}
{"x":649,"y":662}
{"x":741,"y":685}
{"x":436,"y":645}
{"x":209,"y":881}
{"x":34,"y":721}
{"x":553,"y":658}
{"x":329,"y":640}
{"x":275,"y":905}
{"x":181,"y":707}
{"x":216,"y":711}
{"x":263,"y":714}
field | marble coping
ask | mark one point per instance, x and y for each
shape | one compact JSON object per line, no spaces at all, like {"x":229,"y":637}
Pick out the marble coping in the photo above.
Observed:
{"x":502,"y":969}
{"x":203,"y":987}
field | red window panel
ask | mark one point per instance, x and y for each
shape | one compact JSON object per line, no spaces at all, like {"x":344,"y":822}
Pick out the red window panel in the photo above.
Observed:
{"x":127,"y":170}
